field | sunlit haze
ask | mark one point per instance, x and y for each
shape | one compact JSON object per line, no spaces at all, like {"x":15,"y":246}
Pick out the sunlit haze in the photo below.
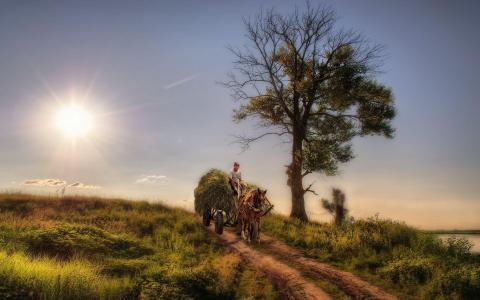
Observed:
{"x":73,"y":121}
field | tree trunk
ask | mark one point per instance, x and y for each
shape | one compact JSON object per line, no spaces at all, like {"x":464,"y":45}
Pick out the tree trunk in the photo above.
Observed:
{"x":338,"y":214}
{"x":295,"y":181}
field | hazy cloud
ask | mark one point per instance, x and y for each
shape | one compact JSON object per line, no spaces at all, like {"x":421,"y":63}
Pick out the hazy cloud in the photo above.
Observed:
{"x":179,"y":82}
{"x":52,"y":182}
{"x":80,"y":185}
{"x":151,"y":179}
{"x":49,"y":182}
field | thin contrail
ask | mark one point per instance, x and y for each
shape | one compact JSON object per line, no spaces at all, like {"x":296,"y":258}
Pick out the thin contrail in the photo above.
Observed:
{"x":179,"y":82}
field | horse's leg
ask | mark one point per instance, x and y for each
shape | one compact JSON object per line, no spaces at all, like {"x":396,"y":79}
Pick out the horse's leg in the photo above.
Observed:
{"x":244,"y":228}
{"x":244,"y":231}
{"x":241,"y":225}
{"x":238,"y":226}
{"x":249,"y":231}
{"x":252,"y":230}
{"x":258,"y":231}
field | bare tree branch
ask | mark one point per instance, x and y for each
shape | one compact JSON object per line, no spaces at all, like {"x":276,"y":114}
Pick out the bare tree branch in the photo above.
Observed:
{"x":309,"y":189}
{"x":245,"y":141}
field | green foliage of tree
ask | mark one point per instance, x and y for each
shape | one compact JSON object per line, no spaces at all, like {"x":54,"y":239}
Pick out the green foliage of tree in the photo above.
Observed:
{"x":303,"y":79}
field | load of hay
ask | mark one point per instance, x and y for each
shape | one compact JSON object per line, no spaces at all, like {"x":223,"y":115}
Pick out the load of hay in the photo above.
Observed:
{"x":214,"y":191}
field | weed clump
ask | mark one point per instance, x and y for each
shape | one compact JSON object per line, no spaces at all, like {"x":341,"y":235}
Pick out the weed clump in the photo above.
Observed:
{"x":462,"y":282}
{"x":68,"y":240}
{"x":409,"y":270}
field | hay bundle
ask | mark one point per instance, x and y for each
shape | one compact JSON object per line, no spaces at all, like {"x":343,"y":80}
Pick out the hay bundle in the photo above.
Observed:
{"x":214,"y":191}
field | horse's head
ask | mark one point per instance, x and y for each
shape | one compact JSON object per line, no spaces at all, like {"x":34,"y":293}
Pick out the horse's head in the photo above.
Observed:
{"x":260,"y":198}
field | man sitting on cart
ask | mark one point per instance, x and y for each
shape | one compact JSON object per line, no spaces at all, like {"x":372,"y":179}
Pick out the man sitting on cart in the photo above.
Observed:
{"x":236,"y":182}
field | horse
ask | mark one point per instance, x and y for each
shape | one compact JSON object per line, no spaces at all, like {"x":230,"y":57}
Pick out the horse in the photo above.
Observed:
{"x":251,"y":207}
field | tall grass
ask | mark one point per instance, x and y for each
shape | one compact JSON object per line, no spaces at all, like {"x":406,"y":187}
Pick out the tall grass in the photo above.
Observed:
{"x":411,"y":262}
{"x":50,"y":279}
{"x":93,"y":248}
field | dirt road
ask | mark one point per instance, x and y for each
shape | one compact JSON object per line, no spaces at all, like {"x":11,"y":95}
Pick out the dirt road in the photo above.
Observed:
{"x":347,"y":282}
{"x":292,"y":283}
{"x":285,"y":267}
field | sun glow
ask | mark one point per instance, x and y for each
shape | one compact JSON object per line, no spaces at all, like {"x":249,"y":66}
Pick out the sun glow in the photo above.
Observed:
{"x":73,"y":121}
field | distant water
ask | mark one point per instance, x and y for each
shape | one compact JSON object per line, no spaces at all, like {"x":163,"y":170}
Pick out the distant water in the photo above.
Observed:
{"x":473,"y":238}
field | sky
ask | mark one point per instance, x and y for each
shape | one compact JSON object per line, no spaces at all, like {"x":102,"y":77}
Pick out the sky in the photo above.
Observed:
{"x":148,"y":73}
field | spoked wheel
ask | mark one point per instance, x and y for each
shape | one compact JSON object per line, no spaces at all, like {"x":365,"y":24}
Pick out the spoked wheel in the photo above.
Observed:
{"x":207,"y":216}
{"x":219,"y":222}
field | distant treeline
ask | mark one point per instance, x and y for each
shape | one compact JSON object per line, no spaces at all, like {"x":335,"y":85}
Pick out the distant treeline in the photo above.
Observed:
{"x":455,"y":231}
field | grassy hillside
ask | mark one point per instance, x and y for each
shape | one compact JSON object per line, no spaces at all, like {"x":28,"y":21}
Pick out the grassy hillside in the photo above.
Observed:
{"x":91,"y":248}
{"x":414,"y":264}
{"x":79,"y":248}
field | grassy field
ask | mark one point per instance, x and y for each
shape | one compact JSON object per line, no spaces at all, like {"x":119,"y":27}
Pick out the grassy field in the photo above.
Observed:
{"x":79,"y":248}
{"x":411,"y":263}
{"x":92,"y":248}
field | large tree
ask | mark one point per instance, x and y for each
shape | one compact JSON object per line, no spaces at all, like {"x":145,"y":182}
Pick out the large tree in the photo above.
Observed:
{"x":302,"y":78}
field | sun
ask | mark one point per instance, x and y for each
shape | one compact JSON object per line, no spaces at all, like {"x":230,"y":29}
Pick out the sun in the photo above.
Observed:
{"x":73,"y":121}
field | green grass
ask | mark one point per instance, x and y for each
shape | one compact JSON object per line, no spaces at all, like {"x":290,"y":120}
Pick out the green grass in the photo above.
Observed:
{"x":51,"y":279}
{"x":93,"y":248}
{"x":406,"y":261}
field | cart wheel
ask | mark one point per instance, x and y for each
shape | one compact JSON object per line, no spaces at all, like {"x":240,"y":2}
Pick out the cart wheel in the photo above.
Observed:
{"x":219,"y":222}
{"x":207,"y":215}
{"x":254,"y":232}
